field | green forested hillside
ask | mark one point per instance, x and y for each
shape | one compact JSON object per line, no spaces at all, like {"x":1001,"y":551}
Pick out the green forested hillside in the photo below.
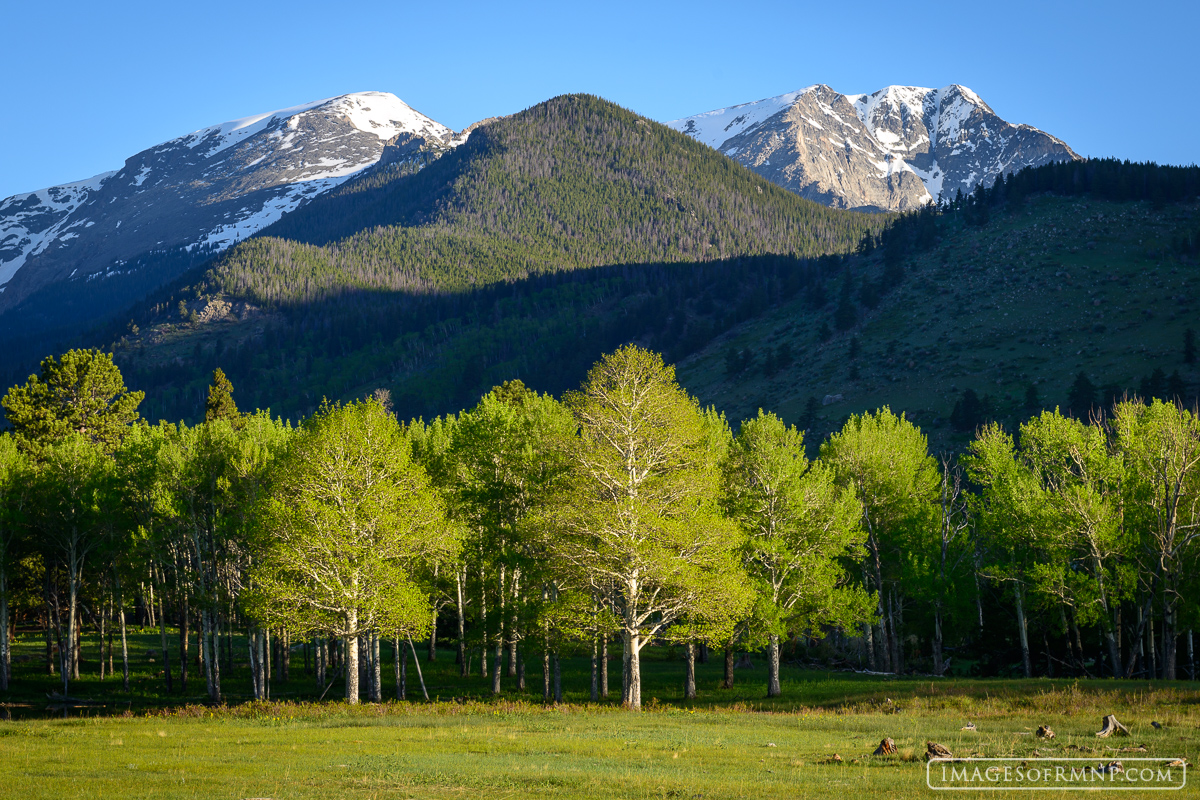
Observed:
{"x":550,"y":236}
{"x":994,"y":303}
{"x":996,"y":307}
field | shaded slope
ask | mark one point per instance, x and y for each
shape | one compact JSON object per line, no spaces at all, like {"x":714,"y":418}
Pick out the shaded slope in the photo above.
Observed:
{"x":546,"y":238}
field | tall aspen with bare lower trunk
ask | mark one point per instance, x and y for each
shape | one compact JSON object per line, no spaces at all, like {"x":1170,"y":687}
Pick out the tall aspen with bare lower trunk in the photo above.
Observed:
{"x":1015,"y":518}
{"x":801,"y":526}
{"x":507,"y":456}
{"x":642,"y":514}
{"x":885,"y":459}
{"x":15,"y":478}
{"x":1160,"y":444}
{"x":69,"y":487}
{"x":347,"y":523}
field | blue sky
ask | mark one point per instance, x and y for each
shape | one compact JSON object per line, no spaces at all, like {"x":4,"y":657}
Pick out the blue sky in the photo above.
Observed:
{"x":88,"y":84}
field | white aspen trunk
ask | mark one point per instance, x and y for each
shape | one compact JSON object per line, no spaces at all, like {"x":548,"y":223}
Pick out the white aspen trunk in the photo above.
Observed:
{"x":938,"y":665}
{"x":483,"y":638}
{"x":400,"y":674}
{"x":351,"y":654}
{"x":545,"y":669}
{"x":1191,"y":656}
{"x":689,"y":676}
{"x":101,"y":622}
{"x":634,"y":644}
{"x":252,"y":646}
{"x":1023,"y":629}
{"x":70,"y":662}
{"x":124,"y":645}
{"x":215,"y":623}
{"x":206,"y":654}
{"x":499,"y":657}
{"x":604,"y":666}
{"x":376,"y":671}
{"x":513,"y":634}
{"x":433,"y":637}
{"x":166,"y":653}
{"x":773,"y":687}
{"x":460,"y":612}
{"x":557,"y":677}
{"x":595,"y":695}
{"x":417,"y":663}
{"x":5,"y":654}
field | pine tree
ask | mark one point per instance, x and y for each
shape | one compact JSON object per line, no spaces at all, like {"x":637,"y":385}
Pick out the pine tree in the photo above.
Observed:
{"x":220,"y":403}
{"x":1189,"y":346}
{"x":82,"y":392}
{"x":1082,"y":396}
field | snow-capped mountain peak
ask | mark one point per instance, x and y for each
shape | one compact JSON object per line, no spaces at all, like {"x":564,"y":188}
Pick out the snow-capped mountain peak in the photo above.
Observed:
{"x":210,"y":188}
{"x":894,"y":149}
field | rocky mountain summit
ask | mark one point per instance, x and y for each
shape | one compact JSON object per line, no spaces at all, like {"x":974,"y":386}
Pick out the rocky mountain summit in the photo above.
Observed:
{"x":202,"y":192}
{"x":894,"y":150}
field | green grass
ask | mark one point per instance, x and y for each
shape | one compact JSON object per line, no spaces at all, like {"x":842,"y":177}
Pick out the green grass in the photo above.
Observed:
{"x":467,"y":744}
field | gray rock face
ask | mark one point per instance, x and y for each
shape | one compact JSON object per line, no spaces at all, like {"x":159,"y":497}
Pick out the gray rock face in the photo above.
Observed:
{"x":894,"y":150}
{"x":208,"y":189}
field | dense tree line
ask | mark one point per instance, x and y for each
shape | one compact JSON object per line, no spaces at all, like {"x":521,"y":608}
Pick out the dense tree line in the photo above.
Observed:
{"x":529,"y":527}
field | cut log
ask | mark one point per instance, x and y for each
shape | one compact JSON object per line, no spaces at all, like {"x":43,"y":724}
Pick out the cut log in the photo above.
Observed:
{"x":1111,"y":726}
{"x":886,"y":748}
{"x":1044,"y":732}
{"x":934,"y":750}
{"x":970,"y":726}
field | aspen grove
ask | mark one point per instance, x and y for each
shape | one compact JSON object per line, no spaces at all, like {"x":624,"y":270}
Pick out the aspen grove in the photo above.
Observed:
{"x":621,"y":516}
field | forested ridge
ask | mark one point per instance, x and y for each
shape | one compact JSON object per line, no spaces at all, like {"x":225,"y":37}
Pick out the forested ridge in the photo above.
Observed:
{"x":548,"y":237}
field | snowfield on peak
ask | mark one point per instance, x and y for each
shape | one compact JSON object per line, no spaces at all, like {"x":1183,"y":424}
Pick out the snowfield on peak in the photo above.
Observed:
{"x":209,"y":189}
{"x":892,"y":150}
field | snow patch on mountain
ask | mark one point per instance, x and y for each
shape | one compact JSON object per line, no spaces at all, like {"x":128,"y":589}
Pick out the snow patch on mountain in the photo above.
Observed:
{"x":211,"y":187}
{"x":853,"y":151}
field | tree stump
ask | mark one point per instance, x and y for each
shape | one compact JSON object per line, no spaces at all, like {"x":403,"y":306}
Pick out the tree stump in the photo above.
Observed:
{"x":744,"y":662}
{"x":1044,"y":732}
{"x":934,"y":750}
{"x":1111,"y":726}
{"x":886,"y":748}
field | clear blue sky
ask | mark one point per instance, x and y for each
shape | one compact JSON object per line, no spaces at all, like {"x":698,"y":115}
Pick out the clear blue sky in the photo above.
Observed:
{"x":87,"y":84}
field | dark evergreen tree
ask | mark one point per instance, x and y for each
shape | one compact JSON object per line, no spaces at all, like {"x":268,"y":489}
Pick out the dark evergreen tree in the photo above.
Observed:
{"x":1033,"y":402}
{"x":1082,"y":397}
{"x":219,"y":404}
{"x":1154,"y":385}
{"x":1189,"y":346}
{"x":846,"y":315}
{"x":823,"y":332}
{"x":855,"y":348}
{"x":1176,"y":388}
{"x":969,"y":412}
{"x":783,"y":355}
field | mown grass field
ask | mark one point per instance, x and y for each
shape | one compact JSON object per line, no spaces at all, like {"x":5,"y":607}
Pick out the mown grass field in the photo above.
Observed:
{"x":727,"y":744}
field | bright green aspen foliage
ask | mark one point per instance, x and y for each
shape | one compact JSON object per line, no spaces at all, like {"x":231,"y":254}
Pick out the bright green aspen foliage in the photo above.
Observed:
{"x":80,"y":393}
{"x":70,"y":521}
{"x":801,"y":526}
{"x":15,"y":477}
{"x":1160,"y":444}
{"x":885,"y":459}
{"x":643,"y":515}
{"x":349,"y":521}
{"x":510,"y":455}
{"x":1014,"y":518}
{"x":1081,"y":570}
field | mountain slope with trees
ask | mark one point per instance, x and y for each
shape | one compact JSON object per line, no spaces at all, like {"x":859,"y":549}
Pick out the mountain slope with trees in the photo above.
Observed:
{"x":547,"y":238}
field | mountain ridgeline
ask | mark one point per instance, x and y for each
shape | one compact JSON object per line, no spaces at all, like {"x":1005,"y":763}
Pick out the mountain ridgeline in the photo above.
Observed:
{"x":575,"y":182}
{"x":544,"y":239}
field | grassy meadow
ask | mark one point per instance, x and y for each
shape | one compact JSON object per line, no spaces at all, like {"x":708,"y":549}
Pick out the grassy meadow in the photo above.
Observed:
{"x":728,"y":743}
